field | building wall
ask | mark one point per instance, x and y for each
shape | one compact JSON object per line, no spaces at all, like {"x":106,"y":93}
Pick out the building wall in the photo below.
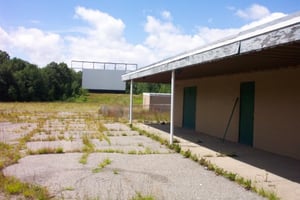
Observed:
{"x":156,"y":101}
{"x":146,"y":101}
{"x":276,"y":113}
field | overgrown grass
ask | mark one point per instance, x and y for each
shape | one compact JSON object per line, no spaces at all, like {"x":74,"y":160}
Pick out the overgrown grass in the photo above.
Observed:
{"x":9,"y":154}
{"x":13,"y":186}
{"x":113,"y":99}
{"x":46,"y":150}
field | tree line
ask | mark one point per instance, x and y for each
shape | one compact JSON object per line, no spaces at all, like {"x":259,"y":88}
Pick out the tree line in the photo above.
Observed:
{"x":23,"y":81}
{"x":139,"y":88}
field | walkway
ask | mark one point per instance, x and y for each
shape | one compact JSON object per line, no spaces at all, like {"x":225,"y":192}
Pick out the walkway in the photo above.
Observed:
{"x":270,"y":171}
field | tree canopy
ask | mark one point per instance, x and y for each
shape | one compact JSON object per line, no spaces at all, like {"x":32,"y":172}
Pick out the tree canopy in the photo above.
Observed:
{"x":23,"y":81}
{"x":139,"y":88}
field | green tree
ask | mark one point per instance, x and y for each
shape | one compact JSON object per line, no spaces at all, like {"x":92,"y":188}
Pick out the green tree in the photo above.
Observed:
{"x":22,"y":81}
{"x":7,"y":83}
{"x":3,"y":57}
{"x":139,"y":88}
{"x":30,"y":83}
{"x":62,"y":82}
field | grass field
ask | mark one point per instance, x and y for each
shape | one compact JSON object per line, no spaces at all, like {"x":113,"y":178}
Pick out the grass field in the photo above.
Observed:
{"x":116,"y":107}
{"x":91,"y":102}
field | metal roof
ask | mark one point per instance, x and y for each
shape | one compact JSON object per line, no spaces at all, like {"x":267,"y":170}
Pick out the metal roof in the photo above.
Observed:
{"x":272,"y":45}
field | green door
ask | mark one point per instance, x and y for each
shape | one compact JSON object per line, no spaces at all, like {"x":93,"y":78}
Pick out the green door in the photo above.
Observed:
{"x":189,"y":107}
{"x":247,"y":92}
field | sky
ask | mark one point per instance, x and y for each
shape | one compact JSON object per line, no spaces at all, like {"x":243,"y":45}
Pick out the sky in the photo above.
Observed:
{"x":131,"y":31}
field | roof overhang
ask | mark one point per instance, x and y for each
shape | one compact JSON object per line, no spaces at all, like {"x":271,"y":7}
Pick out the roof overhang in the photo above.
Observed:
{"x":269,"y":46}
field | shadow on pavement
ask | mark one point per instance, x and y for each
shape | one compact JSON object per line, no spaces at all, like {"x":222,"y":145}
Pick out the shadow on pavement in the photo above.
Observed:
{"x":282,"y":166}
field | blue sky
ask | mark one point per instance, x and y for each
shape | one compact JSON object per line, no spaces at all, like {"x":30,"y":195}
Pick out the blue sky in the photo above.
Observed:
{"x":136,"y":31}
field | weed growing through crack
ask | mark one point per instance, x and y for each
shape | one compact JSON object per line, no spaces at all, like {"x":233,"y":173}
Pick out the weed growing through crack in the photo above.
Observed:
{"x":231,"y":176}
{"x":115,"y":171}
{"x":187,"y":153}
{"x":269,"y":195}
{"x":110,"y":151}
{"x":61,"y":137}
{"x":69,"y":188}
{"x":140,"y":196}
{"x":132,"y":152}
{"x":246,"y":183}
{"x":71,"y":138}
{"x":101,"y":136}
{"x":46,"y":150}
{"x":59,"y":150}
{"x":101,"y":127}
{"x":50,"y":138}
{"x":194,"y":157}
{"x":140,"y":144}
{"x":88,"y":145}
{"x":101,"y":165}
{"x":83,"y":158}
{"x":148,"y":150}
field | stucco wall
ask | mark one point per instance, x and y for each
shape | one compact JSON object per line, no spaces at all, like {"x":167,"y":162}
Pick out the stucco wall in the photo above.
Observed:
{"x":276,"y":114}
{"x":156,"y":101}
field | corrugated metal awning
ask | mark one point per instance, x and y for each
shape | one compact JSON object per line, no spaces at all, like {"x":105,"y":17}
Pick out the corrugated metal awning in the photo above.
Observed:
{"x":273,"y":45}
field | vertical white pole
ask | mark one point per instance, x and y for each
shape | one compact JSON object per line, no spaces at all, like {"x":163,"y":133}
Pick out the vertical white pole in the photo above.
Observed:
{"x":172,"y":107}
{"x":131,"y":102}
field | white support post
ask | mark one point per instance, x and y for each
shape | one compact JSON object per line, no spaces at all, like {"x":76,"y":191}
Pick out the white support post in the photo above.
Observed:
{"x":172,"y":107}
{"x":131,"y":102}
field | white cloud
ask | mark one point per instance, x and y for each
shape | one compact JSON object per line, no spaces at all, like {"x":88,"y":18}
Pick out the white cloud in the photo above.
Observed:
{"x":165,"y":39}
{"x":254,"y":12}
{"x":102,"y":39}
{"x":103,"y":25}
{"x":4,"y":39}
{"x":269,"y":18}
{"x":166,"y":15}
{"x":38,"y":47}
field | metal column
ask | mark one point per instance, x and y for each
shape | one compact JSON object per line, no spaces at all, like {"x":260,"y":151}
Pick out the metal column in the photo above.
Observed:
{"x":172,"y":107}
{"x":131,"y":102}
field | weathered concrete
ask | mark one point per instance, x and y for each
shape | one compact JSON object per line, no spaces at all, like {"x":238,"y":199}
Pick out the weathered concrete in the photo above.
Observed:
{"x":270,"y":171}
{"x":161,"y":174}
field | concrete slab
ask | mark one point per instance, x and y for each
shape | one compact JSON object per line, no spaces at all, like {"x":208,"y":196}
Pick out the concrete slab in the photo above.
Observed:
{"x":117,"y":127}
{"x":11,"y":132}
{"x":68,"y":146}
{"x":270,"y":171}
{"x":163,"y":176}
